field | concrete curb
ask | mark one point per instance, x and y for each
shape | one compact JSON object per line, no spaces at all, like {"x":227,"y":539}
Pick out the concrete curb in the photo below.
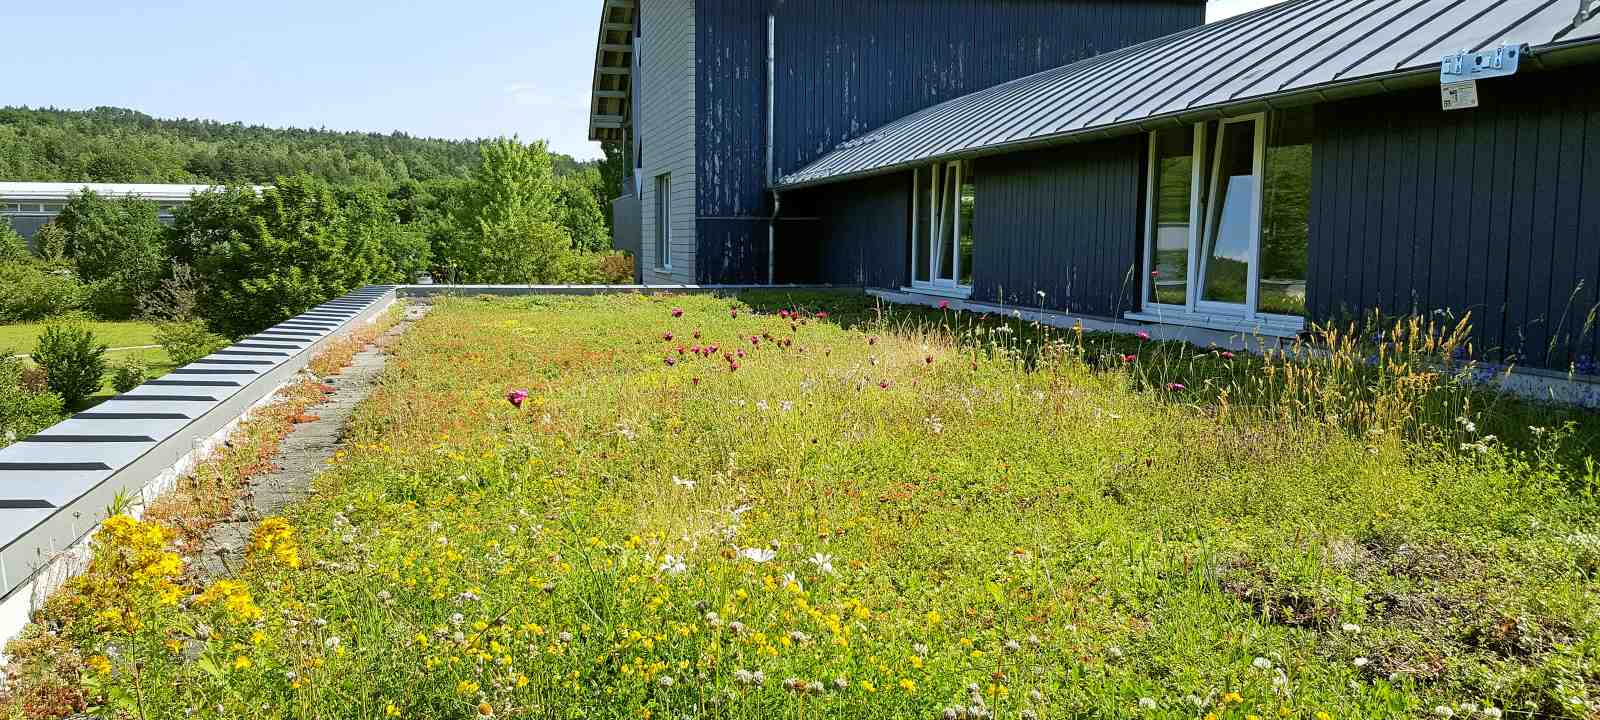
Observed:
{"x":56,"y":486}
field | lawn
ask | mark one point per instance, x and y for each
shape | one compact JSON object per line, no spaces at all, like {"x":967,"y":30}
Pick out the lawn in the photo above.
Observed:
{"x":20,"y":339}
{"x":862,"y":515}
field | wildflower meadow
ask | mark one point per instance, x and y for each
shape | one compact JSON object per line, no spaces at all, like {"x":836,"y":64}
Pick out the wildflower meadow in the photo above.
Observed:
{"x":781,"y":506}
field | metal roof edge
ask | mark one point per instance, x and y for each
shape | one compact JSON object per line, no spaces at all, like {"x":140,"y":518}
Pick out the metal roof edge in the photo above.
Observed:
{"x":1546,"y":57}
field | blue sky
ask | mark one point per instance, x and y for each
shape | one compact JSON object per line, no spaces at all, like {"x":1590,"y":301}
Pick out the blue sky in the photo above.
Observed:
{"x":472,"y":68}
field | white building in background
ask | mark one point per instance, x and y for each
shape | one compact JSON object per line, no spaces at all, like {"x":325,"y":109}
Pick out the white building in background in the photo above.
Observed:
{"x":29,"y":205}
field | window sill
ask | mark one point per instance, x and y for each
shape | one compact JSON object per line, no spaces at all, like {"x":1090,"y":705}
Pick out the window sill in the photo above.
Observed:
{"x":954,"y":293}
{"x":1283,"y":326}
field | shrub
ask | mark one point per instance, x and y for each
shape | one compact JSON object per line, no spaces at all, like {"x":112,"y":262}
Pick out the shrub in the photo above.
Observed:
{"x":12,"y":247}
{"x":186,"y":342}
{"x":609,"y":268}
{"x":260,"y":259}
{"x":30,"y":291}
{"x":26,"y":407}
{"x":50,"y":243}
{"x":128,"y":374}
{"x":617,"y":267}
{"x":75,"y":361}
{"x":174,"y":299}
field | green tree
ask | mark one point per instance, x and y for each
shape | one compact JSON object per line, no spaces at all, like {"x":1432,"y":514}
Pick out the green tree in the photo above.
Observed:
{"x":508,"y":226}
{"x":581,"y":214}
{"x":119,"y":249}
{"x":260,"y":259}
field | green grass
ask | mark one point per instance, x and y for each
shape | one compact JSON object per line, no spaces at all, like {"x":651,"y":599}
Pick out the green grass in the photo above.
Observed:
{"x":960,"y":514}
{"x":20,"y":339}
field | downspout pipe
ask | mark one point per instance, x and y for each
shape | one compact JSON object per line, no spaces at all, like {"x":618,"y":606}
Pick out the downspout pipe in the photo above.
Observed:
{"x":772,"y":80}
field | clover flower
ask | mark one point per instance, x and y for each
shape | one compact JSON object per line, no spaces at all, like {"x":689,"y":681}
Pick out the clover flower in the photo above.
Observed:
{"x":673,"y":565}
{"x":677,"y":312}
{"x":515,"y":397}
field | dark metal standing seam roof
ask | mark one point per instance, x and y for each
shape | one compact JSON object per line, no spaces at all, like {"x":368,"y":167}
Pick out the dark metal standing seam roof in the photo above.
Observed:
{"x":1316,"y":48}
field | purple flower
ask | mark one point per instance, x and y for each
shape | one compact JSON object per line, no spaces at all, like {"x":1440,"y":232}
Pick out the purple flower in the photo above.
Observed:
{"x":515,"y":397}
{"x":671,"y":361}
{"x":1175,"y":387}
{"x":1142,"y":335}
{"x":944,"y":304}
{"x":667,"y":336}
{"x":677,"y":312}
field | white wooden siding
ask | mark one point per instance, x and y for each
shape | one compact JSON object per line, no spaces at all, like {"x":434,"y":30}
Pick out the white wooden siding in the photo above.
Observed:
{"x":666,"y":93}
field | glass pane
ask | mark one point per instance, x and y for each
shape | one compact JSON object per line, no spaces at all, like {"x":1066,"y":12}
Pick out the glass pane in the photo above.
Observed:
{"x":969,"y":196}
{"x":663,"y":220}
{"x":1173,"y":183}
{"x":1286,"y":215}
{"x":919,"y":242}
{"x":1225,"y":259}
{"x":944,"y":259}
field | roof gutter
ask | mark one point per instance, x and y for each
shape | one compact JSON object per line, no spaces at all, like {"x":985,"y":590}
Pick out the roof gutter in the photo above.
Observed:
{"x":1551,"y":56}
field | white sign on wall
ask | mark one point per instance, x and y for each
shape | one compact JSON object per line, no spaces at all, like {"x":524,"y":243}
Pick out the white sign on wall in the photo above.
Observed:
{"x":1459,"y":95}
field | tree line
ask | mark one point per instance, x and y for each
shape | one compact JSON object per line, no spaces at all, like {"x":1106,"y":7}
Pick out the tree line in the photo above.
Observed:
{"x":118,"y":145}
{"x":238,"y":259}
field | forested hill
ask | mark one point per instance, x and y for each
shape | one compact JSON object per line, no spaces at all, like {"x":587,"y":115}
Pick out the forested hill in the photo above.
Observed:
{"x":108,"y":144}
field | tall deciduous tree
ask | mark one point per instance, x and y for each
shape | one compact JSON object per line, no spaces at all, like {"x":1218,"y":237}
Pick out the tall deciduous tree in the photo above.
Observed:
{"x":117,"y":246}
{"x":509,"y":223}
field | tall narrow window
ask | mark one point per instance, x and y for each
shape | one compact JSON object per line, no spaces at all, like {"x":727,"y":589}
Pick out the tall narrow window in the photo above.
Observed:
{"x":965,"y":241}
{"x":1227,"y":222}
{"x":943,"y":242}
{"x":664,"y":221}
{"x":1172,"y":200}
{"x":1286,"y":215}
{"x":1227,"y":254}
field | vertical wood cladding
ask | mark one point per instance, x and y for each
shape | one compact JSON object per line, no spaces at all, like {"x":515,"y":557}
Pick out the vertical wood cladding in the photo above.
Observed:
{"x":1493,"y":211}
{"x":1065,"y":221}
{"x":846,"y":67}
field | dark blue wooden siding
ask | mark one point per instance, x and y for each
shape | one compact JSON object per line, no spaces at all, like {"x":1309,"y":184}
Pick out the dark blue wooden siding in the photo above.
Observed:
{"x":1491,"y":211}
{"x":1064,"y":221}
{"x":846,"y":67}
{"x":852,"y":233}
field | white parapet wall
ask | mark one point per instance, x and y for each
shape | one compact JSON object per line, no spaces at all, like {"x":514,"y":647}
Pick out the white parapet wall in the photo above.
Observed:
{"x":56,"y":486}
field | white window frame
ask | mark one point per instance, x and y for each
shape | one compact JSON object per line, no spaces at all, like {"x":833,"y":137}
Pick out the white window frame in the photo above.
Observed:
{"x":663,"y":209}
{"x":1197,"y":311}
{"x":934,"y":285}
